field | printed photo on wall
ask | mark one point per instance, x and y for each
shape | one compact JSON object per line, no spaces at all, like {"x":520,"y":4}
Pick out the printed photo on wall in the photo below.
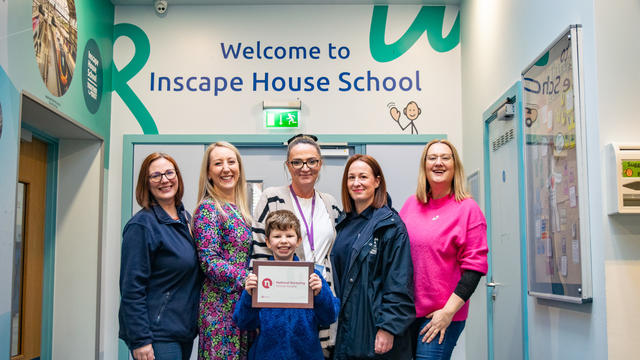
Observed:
{"x":55,"y":42}
{"x":411,"y":112}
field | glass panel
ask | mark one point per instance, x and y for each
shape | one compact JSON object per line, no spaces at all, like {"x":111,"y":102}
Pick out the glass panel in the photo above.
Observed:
{"x":553,"y":170}
{"x":18,"y":273}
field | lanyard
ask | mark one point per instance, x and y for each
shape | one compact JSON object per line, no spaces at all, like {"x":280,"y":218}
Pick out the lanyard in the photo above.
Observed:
{"x":232,"y":207}
{"x":313,"y":206}
{"x":235,"y":212}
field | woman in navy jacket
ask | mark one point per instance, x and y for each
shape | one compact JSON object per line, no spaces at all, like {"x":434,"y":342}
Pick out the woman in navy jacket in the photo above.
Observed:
{"x":159,"y":271}
{"x":373,"y":272}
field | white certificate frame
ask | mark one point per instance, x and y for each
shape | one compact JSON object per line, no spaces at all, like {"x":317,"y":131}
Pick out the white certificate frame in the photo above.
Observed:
{"x":283,"y":284}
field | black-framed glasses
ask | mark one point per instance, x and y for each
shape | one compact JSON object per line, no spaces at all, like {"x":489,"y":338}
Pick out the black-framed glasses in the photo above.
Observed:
{"x":156,"y":177}
{"x":315,"y":138}
{"x":298,"y":164}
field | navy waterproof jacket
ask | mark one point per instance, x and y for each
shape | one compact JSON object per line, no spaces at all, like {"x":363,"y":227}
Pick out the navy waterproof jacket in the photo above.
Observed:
{"x":378,"y":289}
{"x":160,"y":279}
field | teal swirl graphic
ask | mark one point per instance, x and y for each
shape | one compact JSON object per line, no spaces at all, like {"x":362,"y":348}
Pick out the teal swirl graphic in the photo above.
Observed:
{"x":121,"y":77}
{"x":430,"y":20}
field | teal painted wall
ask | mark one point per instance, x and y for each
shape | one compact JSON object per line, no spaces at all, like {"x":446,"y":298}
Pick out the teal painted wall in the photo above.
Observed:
{"x":19,"y":72}
{"x":9,"y":103}
{"x":95,"y":21}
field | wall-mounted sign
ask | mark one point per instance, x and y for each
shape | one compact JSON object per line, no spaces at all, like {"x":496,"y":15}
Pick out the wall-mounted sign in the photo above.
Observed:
{"x":344,"y":63}
{"x":281,"y":119}
{"x":92,"y":76}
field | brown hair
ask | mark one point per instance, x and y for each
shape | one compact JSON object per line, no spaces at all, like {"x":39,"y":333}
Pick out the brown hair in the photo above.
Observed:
{"x":380,"y":196}
{"x":143,"y":192}
{"x":206,"y":190}
{"x":282,"y":220}
{"x":458,"y":184}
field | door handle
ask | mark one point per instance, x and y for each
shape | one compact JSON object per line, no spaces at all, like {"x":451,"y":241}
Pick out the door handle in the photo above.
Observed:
{"x":493,"y":284}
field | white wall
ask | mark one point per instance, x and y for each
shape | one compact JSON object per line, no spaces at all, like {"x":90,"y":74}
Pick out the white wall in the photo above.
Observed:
{"x":499,"y":39}
{"x":618,"y":51}
{"x":79,"y":228}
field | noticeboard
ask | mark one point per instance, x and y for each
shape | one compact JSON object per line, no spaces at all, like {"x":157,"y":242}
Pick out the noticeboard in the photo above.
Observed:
{"x":558,"y":250}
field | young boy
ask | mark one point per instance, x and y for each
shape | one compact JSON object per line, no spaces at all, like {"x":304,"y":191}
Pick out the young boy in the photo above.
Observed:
{"x":286,"y":333}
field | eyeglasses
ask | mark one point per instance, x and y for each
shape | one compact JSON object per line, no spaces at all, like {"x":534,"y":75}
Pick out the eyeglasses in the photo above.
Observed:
{"x":443,"y":157}
{"x":156,"y":177}
{"x":298,"y":164}
{"x":313,"y":137}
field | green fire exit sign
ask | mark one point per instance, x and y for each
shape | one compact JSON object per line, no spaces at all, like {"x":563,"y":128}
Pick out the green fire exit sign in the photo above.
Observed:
{"x":282,"y":118}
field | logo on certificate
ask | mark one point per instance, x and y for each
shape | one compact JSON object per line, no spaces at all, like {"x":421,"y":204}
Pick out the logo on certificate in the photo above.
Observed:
{"x":266,"y":283}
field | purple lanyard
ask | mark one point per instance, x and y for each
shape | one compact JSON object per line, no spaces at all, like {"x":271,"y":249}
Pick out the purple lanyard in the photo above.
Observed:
{"x":313,"y":206}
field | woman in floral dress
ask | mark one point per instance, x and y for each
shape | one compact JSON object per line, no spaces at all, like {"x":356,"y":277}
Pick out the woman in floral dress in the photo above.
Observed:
{"x":222,"y":232}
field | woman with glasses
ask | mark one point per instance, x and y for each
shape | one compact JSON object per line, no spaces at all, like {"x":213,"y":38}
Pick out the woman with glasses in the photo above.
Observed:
{"x":373,"y":271}
{"x":159,"y":272}
{"x":448,"y":236}
{"x":222,"y":230}
{"x":317,"y":212}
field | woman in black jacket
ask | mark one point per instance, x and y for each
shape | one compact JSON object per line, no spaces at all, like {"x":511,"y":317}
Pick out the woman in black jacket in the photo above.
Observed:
{"x":373,"y":272}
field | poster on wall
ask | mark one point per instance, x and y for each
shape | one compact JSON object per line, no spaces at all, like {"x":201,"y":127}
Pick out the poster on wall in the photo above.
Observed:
{"x":555,"y":172}
{"x":55,"y":42}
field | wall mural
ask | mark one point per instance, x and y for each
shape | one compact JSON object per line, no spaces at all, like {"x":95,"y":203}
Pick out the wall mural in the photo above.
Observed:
{"x":380,"y":57}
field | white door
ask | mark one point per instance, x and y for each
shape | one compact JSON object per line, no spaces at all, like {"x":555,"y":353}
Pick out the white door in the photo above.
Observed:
{"x":504,"y":285}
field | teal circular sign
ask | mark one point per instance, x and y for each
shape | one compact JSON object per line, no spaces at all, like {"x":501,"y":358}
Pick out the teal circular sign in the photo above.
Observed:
{"x":92,"y":79}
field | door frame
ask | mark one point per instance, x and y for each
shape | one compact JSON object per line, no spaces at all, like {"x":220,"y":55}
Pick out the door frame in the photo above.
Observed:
{"x":358,"y":141}
{"x":46,"y":335}
{"x":49,"y":124}
{"x":515,"y":91}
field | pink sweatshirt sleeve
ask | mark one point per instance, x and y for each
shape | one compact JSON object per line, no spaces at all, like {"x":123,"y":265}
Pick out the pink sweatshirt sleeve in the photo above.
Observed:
{"x":473,"y":249}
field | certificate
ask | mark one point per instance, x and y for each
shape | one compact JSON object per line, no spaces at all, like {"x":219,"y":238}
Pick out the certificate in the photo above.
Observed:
{"x":283,"y":284}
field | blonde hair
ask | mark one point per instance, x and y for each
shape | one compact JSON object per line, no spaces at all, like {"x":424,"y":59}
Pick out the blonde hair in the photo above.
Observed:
{"x":458,"y":184}
{"x":206,"y":190}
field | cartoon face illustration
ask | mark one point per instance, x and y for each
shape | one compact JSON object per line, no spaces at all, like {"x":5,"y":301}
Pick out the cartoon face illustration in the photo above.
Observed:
{"x":412,"y":111}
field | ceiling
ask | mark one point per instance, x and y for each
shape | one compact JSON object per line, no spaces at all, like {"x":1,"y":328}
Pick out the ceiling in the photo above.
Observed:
{"x":287,"y":2}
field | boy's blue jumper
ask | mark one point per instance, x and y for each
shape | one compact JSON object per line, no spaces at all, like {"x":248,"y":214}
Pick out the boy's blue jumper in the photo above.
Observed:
{"x":288,"y":333}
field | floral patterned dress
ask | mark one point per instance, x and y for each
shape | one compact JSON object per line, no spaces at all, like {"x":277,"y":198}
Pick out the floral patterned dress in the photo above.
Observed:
{"x":223,"y":242}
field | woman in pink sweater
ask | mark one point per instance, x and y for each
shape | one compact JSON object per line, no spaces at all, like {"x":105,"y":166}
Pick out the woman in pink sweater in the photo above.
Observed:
{"x":448,"y":237}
